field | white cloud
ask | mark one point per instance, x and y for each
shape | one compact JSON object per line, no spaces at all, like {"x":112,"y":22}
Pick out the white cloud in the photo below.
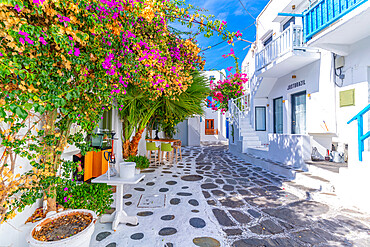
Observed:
{"x":222,"y":16}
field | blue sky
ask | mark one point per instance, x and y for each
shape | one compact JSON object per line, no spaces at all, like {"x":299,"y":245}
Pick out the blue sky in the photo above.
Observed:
{"x":237,"y":19}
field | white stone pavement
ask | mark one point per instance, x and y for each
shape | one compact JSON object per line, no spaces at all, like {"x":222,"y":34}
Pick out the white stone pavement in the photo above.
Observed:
{"x":230,"y":203}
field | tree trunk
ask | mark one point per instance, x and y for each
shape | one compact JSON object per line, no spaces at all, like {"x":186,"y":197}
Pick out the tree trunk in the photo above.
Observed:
{"x":51,"y":199}
{"x":135,"y":142}
{"x":126,"y":149}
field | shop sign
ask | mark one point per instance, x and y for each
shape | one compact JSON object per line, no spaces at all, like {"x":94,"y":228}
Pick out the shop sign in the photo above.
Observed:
{"x":296,"y":84}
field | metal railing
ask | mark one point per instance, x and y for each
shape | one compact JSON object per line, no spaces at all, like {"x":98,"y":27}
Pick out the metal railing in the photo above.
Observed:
{"x":324,"y":13}
{"x":238,"y":109}
{"x":288,"y":40}
{"x":361,"y":137}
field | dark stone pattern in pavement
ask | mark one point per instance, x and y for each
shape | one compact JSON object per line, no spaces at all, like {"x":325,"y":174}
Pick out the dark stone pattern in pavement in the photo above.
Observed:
{"x":254,"y":210}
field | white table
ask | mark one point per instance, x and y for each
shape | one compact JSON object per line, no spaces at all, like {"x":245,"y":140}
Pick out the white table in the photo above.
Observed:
{"x":119,"y":216}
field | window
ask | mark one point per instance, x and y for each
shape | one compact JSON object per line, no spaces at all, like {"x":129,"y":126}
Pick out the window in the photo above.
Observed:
{"x":278,"y":115}
{"x":287,"y":24}
{"x":209,"y":101}
{"x":267,"y":41}
{"x":212,"y":78}
{"x":260,"y":118}
{"x":299,"y":113}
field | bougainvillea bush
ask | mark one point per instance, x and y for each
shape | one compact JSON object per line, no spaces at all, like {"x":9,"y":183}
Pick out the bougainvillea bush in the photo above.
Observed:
{"x":230,"y":88}
{"x":63,"y":63}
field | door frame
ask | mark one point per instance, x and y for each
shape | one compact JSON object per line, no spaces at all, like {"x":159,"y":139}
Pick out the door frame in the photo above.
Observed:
{"x":293,"y":108}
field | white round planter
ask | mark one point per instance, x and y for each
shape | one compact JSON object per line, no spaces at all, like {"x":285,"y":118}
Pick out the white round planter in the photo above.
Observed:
{"x":81,"y":239}
{"x":127,"y":169}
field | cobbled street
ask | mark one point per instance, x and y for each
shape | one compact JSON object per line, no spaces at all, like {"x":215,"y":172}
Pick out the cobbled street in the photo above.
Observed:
{"x":212,"y":198}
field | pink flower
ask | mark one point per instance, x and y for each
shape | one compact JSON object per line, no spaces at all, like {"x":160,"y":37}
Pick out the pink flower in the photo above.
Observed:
{"x":1,"y":54}
{"x":70,"y":52}
{"x":38,"y":2}
{"x":65,"y":199}
{"x":77,"y":52}
{"x":16,"y":7}
{"x":70,"y":38}
{"x":65,"y":189}
{"x":29,"y":41}
{"x":42,"y":40}
{"x":21,"y":40}
{"x":238,"y":34}
{"x":229,"y":68}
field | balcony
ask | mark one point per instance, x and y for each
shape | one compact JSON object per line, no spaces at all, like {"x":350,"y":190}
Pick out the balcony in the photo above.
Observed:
{"x":284,"y":54}
{"x":336,"y":24}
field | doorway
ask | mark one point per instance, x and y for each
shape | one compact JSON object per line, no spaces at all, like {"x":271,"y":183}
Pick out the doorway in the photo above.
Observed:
{"x":299,"y":113}
{"x":278,"y":115}
{"x":210,"y":127}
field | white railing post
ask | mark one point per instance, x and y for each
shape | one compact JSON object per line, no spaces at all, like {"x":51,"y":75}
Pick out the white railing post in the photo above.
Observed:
{"x":289,"y":39}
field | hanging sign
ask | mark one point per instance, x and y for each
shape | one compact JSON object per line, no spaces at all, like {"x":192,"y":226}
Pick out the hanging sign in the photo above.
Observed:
{"x":296,"y":84}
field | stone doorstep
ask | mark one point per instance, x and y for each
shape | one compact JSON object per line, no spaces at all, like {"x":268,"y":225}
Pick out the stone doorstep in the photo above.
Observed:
{"x":309,"y":193}
{"x":317,"y":182}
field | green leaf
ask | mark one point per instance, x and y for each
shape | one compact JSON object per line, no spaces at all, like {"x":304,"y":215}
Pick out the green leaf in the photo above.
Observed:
{"x":69,"y":96}
{"x":21,"y":112}
{"x":13,"y":108}
{"x":2,"y":113}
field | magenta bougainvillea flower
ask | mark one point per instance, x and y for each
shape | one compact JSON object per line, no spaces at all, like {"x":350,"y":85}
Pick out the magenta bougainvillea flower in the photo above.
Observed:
{"x":77,"y":52}
{"x":17,"y":8}
{"x":229,"y":68}
{"x":42,"y":40}
{"x":38,"y":2}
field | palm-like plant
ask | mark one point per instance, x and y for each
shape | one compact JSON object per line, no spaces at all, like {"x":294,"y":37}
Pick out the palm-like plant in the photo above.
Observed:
{"x":170,"y":112}
{"x":135,"y":113}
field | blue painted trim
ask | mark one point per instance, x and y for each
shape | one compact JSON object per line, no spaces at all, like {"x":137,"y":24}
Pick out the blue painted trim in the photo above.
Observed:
{"x":360,"y":130}
{"x":290,"y":14}
{"x":362,"y":112}
{"x":324,"y":13}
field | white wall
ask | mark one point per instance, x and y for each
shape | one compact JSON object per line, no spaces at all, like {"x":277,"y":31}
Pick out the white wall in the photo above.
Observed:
{"x":357,"y":77}
{"x":194,"y":131}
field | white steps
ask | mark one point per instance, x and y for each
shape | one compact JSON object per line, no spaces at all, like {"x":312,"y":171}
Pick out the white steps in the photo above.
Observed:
{"x":248,"y":136}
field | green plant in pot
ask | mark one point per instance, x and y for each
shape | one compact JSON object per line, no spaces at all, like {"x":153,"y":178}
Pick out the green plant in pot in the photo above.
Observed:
{"x":142,"y":162}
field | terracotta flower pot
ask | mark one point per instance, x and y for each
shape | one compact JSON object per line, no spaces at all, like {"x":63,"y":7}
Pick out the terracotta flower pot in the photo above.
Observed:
{"x":81,"y":239}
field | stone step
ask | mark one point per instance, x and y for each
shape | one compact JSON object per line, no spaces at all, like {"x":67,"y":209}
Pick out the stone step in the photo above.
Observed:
{"x":252,"y":143}
{"x":250,"y":138}
{"x":328,"y":171}
{"x":309,"y":193}
{"x":246,"y":133}
{"x":313,"y":181}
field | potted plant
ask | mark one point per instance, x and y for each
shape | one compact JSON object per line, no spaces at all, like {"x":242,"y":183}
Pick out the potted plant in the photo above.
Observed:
{"x":142,"y":162}
{"x":67,"y":228}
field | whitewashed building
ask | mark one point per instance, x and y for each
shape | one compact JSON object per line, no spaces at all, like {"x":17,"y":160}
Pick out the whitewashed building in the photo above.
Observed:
{"x":309,"y":71}
{"x":211,"y":128}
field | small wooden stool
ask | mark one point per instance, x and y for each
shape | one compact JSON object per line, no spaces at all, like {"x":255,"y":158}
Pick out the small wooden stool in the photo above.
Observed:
{"x":177,"y":147}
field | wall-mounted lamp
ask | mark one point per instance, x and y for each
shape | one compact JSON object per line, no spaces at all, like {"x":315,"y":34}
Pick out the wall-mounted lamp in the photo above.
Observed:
{"x":309,"y":95}
{"x":293,"y":7}
{"x":294,"y":76}
{"x":283,"y":100}
{"x":267,"y":105}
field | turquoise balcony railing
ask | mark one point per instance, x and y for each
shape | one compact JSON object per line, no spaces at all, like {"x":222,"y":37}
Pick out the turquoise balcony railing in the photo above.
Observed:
{"x":360,"y":130}
{"x":324,"y":13}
